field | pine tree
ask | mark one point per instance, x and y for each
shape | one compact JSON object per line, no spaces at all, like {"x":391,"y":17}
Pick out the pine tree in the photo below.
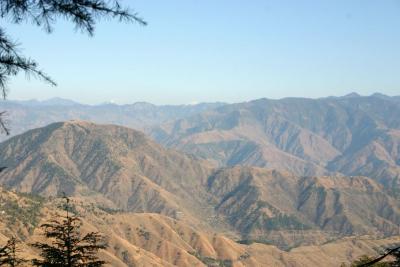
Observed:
{"x":65,"y":246}
{"x":8,"y":254}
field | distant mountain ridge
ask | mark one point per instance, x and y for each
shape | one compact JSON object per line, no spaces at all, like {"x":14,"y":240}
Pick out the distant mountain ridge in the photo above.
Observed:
{"x":30,"y":114}
{"x":291,"y":172}
{"x":55,"y":101}
{"x":352,"y":135}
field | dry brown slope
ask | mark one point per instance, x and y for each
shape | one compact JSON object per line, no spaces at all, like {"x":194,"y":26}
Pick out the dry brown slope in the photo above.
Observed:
{"x":288,"y":210}
{"x":156,"y":240}
{"x":122,"y":169}
{"x":237,"y":137}
{"x":113,"y":163}
{"x":353,"y":135}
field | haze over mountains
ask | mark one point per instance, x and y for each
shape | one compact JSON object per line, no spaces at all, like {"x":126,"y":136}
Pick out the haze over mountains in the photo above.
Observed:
{"x":352,"y":135}
{"x":30,"y":114}
{"x":293,"y":172}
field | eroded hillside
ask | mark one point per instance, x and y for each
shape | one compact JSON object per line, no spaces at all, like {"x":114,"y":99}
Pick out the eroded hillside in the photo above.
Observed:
{"x":148,"y":239}
{"x":122,"y":169}
{"x":352,"y":135}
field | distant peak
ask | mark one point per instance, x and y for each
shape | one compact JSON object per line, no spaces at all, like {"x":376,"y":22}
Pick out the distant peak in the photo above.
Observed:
{"x":351,"y":95}
{"x":58,"y":101}
{"x":91,"y":125}
{"x":77,"y":122}
{"x":143,"y":104}
{"x":380,"y":95}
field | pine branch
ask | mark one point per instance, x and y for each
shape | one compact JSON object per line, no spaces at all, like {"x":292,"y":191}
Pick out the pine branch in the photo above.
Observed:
{"x":8,"y":254}
{"x":380,"y":258}
{"x":83,"y":13}
{"x":44,"y":13}
{"x":12,"y":62}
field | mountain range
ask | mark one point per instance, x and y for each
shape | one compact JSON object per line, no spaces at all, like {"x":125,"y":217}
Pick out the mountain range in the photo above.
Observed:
{"x":351,"y":135}
{"x":123,"y":169}
{"x":30,"y":114}
{"x":288,"y":177}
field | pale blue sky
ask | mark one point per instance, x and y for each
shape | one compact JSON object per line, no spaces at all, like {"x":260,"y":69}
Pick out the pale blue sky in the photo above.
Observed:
{"x":220,"y":50}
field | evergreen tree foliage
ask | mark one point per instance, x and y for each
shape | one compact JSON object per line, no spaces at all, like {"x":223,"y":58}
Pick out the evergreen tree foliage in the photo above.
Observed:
{"x":66,"y":246}
{"x":390,"y":258}
{"x":365,"y":260}
{"x":8,"y":254}
{"x":44,"y":13}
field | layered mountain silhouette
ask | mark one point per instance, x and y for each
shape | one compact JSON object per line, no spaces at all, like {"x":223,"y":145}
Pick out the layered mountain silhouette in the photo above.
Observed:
{"x":121,"y":169}
{"x":30,"y":114}
{"x":351,"y":135}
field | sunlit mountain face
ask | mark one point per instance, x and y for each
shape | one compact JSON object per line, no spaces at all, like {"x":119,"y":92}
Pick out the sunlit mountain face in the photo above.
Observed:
{"x":243,"y":184}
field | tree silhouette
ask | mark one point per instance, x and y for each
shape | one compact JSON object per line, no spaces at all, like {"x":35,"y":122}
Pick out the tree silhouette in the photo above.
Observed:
{"x":8,"y":254}
{"x":65,"y":246}
{"x":366,"y":261}
{"x":44,"y":13}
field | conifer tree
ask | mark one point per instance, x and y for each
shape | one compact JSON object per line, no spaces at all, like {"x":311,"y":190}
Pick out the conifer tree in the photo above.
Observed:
{"x":65,"y":246}
{"x":8,"y":254}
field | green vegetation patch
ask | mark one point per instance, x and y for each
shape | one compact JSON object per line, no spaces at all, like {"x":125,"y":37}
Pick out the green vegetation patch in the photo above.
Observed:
{"x":55,"y":170}
{"x":211,"y":262}
{"x":27,"y":211}
{"x":251,"y":241}
{"x":283,"y":222}
{"x":110,"y":210}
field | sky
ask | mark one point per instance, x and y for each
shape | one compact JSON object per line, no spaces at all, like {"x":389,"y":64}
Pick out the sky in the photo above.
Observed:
{"x":219,"y":50}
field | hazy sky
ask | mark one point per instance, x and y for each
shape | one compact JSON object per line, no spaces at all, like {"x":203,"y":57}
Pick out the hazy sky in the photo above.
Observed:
{"x":220,"y":50}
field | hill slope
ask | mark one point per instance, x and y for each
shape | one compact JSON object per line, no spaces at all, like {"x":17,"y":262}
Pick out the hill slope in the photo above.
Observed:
{"x":121,"y":169}
{"x":148,"y":239}
{"x":272,"y":206}
{"x":352,"y":135}
{"x":114,"y":164}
